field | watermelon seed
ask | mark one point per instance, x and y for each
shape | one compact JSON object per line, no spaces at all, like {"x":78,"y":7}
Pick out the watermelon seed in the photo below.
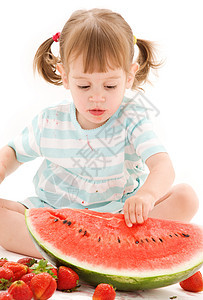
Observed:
{"x":153,"y":240}
{"x":185,"y":235}
{"x":147,"y":240}
{"x":170,"y":235}
{"x":69,"y":223}
{"x":176,"y":234}
{"x":119,"y":240}
{"x":80,"y":230}
{"x":65,"y":221}
{"x":99,"y":239}
{"x":136,"y":242}
{"x":56,"y":220}
{"x":142,"y":241}
{"x":85,"y":232}
{"x":161,"y":240}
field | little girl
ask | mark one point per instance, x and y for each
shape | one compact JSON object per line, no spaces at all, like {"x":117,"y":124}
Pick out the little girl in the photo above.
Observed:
{"x":95,"y":145}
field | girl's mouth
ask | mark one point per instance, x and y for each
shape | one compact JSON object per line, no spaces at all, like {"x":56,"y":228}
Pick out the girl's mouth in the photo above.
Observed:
{"x":96,"y":112}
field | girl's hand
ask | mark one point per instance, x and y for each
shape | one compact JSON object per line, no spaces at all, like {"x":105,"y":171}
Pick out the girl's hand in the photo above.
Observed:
{"x":136,"y":209}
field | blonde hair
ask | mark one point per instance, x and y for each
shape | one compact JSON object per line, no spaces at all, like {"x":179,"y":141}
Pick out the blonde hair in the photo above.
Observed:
{"x":104,"y":39}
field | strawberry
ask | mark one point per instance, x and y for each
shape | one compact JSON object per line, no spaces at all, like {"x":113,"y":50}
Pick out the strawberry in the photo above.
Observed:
{"x":104,"y":291}
{"x":42,"y":266}
{"x":27,"y":278}
{"x":20,"y":290}
{"x":43,"y":286}
{"x":67,"y":279}
{"x":27,"y":261}
{"x":5,"y":296}
{"x":6,"y":276}
{"x":18,"y":269}
{"x":3,"y":261}
{"x":6,"y":273}
{"x":193,"y":283}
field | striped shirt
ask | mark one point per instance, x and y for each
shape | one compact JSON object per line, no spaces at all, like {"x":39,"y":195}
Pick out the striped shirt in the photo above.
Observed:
{"x":97,"y":168}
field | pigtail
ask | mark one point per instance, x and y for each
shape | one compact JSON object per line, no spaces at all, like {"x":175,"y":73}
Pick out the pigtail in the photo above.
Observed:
{"x":45,"y":63}
{"x":146,"y":60}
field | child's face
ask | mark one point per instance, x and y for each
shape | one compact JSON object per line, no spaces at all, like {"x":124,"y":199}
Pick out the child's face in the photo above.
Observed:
{"x":96,"y":96}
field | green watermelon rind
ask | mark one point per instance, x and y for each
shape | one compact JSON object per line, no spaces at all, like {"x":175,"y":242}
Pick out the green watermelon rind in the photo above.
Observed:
{"x":123,"y":283}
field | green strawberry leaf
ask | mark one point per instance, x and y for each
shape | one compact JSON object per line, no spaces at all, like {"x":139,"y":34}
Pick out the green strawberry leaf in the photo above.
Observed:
{"x":32,"y":262}
{"x":4,"y":284}
{"x":43,"y":266}
{"x":51,"y":273}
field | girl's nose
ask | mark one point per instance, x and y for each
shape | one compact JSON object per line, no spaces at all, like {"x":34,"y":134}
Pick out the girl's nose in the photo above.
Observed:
{"x":97,"y":98}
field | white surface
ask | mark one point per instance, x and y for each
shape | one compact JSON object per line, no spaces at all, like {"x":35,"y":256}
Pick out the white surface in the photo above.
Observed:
{"x":85,"y":291}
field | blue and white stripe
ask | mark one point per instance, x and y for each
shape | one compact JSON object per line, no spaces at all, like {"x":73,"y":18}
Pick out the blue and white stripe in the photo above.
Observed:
{"x":98,"y":168}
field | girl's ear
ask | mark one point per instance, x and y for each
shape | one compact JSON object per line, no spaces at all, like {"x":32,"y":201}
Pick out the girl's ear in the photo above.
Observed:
{"x":60,"y":68}
{"x":131,"y":76}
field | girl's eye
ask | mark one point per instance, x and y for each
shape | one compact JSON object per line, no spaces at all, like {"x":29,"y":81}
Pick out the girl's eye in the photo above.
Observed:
{"x":83,"y":87}
{"x":110,"y":86}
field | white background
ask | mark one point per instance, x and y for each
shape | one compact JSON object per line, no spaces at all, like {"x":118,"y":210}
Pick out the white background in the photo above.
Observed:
{"x":177,"y":27}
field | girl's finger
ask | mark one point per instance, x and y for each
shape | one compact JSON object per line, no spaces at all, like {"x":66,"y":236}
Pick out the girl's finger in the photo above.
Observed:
{"x":132,"y":212}
{"x":126,"y":215}
{"x":139,"y":213}
{"x":145,"y":212}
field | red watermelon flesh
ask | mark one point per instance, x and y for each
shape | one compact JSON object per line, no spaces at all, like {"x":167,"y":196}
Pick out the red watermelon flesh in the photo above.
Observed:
{"x":101,"y":248}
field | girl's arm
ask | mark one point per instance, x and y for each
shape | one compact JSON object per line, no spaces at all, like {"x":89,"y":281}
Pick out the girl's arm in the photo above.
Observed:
{"x":160,"y":178}
{"x":8,"y":162}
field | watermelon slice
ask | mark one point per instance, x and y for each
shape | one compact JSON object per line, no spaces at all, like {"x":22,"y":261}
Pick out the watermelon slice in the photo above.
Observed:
{"x":101,"y":248}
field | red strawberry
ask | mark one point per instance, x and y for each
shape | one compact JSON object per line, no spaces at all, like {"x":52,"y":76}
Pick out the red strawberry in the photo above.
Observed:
{"x":193,"y":283}
{"x":5,"y":296}
{"x":6,"y":276}
{"x":27,"y":261}
{"x":18,"y":269}
{"x":20,"y":290}
{"x":6,"y":273}
{"x":43,"y":286}
{"x":3,"y":261}
{"x":67,"y":279}
{"x":27,"y":278}
{"x":104,"y":291}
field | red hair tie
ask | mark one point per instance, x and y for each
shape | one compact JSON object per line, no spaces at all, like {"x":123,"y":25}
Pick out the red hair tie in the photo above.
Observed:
{"x":56,"y":37}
